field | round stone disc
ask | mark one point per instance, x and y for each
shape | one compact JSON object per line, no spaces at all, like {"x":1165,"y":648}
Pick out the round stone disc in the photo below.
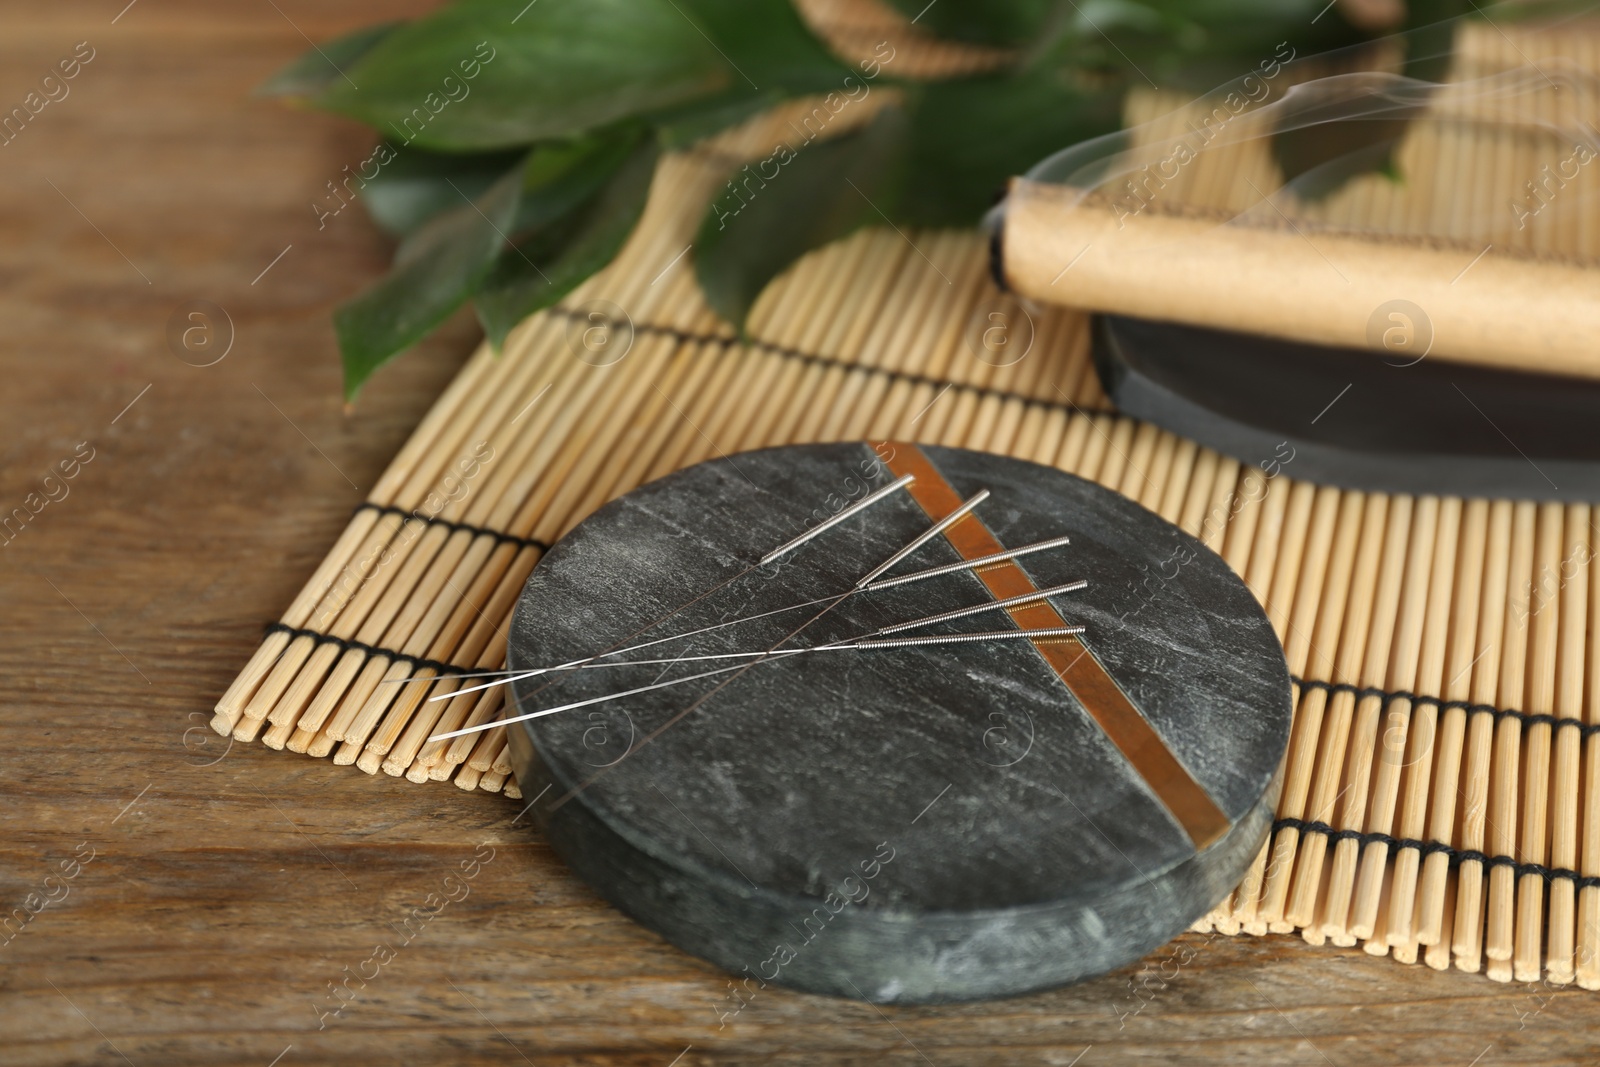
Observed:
{"x":911,"y":824}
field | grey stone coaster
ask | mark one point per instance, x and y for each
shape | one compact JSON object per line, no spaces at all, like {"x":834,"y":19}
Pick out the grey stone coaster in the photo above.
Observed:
{"x":911,"y":824}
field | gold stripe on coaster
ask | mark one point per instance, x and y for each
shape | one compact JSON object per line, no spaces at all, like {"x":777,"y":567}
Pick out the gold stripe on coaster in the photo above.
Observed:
{"x":1079,"y":669}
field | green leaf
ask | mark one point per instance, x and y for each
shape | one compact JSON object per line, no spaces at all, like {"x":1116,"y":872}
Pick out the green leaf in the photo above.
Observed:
{"x":1321,"y":158}
{"x":993,"y":22}
{"x":560,"y":177}
{"x":317,"y":70}
{"x":468,"y":77}
{"x":768,"y":45}
{"x":941,"y":162}
{"x":776,"y":210}
{"x":682,"y":127}
{"x":1192,"y":44}
{"x":774,"y":56}
{"x":415,"y":186}
{"x":562,"y":251}
{"x":968,"y":138}
{"x":435,"y":271}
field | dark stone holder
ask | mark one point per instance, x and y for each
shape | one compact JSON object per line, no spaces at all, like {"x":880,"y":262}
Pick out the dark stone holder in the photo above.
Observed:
{"x":1358,"y":418}
{"x":910,"y":825}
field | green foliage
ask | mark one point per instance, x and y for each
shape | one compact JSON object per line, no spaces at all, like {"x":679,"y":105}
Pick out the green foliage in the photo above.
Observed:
{"x":557,"y":249}
{"x":467,"y":78}
{"x":416,"y":185}
{"x":437,"y":267}
{"x":315,"y":72}
{"x":776,"y":210}
{"x":767,"y":44}
{"x":684,"y":126}
{"x":937,"y":160}
{"x":967,"y":137}
{"x":521,"y":143}
{"x":1317,"y":160}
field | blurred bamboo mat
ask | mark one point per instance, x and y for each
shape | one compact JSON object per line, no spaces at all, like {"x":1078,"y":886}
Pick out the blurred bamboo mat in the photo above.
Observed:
{"x":1483,"y":218}
{"x":1490,"y":159}
{"x":1438,"y":802}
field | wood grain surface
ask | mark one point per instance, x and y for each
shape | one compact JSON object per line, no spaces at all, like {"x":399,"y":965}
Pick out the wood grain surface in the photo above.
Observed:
{"x":229,"y":889}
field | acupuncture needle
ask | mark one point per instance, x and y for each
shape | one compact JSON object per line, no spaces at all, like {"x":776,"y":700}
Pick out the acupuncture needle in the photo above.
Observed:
{"x":993,"y":605}
{"x":915,"y":543}
{"x":740,"y":667}
{"x":969,"y":564}
{"x":883,"y":631}
{"x":788,"y":546}
{"x":774,"y":654}
{"x":929,"y":620}
{"x":695,"y":704}
{"x":783,"y":549}
{"x":933,"y":531}
{"x":923,"y":538}
{"x":933,"y":572}
{"x":503,"y":672}
{"x":866,"y":501}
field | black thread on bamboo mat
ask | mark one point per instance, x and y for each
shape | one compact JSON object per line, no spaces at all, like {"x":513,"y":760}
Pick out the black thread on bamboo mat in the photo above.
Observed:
{"x":784,"y":352}
{"x":500,"y":536}
{"x":1457,"y":856}
{"x":320,"y":638}
{"x":1389,"y":696}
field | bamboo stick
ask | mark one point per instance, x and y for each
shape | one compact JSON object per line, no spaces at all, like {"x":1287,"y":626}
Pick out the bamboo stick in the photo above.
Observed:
{"x":1528,"y":929}
{"x":1313,"y":642}
{"x":1327,"y":788}
{"x":1573,"y":598}
{"x":1422,"y":745}
{"x":1416,"y":607}
{"x":1438,"y":953}
{"x":1357,"y":779}
{"x":1469,"y":924}
{"x":1587,"y":964}
{"x":1505,"y":769}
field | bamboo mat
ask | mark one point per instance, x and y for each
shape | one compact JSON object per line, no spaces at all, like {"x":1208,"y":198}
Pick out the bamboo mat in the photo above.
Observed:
{"x":1438,"y":800}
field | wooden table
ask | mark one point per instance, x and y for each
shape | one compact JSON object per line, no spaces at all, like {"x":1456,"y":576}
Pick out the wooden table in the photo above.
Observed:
{"x":229,"y":889}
